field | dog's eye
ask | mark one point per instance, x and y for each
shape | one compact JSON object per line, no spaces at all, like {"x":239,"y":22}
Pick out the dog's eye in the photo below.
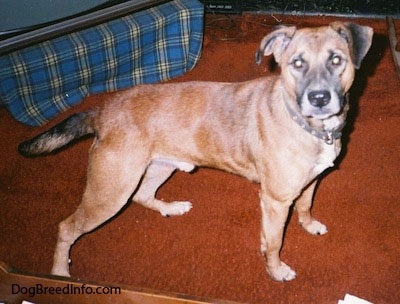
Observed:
{"x":298,"y":63}
{"x":336,"y":60}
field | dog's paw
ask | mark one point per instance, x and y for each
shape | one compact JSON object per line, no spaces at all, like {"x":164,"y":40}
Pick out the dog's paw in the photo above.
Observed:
{"x":175,"y":208}
{"x":281,"y":273}
{"x":315,"y":227}
{"x":60,"y":272}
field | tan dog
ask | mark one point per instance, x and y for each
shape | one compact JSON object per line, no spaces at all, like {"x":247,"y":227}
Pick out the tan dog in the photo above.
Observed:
{"x":279,"y":131}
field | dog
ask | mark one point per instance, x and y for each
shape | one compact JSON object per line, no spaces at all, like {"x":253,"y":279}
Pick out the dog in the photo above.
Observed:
{"x":280,"y":131}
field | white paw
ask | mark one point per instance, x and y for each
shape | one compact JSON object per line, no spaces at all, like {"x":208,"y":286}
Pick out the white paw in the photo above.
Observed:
{"x":282,"y":273}
{"x":315,"y":227}
{"x":60,"y":272}
{"x":175,"y":208}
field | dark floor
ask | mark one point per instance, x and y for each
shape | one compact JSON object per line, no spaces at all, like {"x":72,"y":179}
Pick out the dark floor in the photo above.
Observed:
{"x":366,"y":8}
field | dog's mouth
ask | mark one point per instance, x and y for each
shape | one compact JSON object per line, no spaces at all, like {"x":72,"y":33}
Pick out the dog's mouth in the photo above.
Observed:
{"x":320,"y":114}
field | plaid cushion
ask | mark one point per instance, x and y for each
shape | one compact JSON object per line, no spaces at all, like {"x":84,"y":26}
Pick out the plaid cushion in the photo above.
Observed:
{"x":41,"y":81}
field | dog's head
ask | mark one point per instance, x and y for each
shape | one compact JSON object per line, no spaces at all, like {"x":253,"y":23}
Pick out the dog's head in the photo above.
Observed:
{"x":318,"y":64}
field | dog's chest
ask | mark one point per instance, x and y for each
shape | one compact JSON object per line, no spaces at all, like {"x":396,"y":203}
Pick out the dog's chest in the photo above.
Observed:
{"x":326,"y":157}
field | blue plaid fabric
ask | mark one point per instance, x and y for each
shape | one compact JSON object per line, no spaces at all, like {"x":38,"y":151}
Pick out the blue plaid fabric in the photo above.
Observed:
{"x":41,"y":81}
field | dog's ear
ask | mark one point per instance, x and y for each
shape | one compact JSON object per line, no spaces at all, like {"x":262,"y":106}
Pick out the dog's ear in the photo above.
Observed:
{"x":276,"y":42}
{"x":359,"y":39}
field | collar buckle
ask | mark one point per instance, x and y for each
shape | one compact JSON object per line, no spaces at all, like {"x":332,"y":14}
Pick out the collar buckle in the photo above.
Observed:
{"x":329,"y":138}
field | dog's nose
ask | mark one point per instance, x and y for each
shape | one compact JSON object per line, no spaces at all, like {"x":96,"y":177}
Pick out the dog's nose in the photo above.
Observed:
{"x":319,"y":98}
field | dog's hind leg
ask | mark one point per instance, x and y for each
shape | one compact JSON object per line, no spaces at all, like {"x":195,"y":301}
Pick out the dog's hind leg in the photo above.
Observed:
{"x":303,"y":208}
{"x":156,"y":174}
{"x":112,"y":177}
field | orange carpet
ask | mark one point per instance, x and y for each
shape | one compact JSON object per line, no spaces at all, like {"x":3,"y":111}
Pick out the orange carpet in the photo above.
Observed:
{"x":213,"y":251}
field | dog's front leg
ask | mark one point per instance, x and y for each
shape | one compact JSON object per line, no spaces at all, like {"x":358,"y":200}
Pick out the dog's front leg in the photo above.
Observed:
{"x":303,"y":206}
{"x":274,"y":216}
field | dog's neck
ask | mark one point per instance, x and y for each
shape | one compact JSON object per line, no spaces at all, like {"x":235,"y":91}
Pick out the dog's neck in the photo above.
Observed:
{"x":329,"y":131}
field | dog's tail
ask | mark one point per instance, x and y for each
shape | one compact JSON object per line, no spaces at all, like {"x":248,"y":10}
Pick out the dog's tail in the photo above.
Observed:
{"x":72,"y":128}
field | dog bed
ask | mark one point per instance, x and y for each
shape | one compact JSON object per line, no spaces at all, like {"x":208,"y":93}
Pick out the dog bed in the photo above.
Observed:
{"x":153,"y":45}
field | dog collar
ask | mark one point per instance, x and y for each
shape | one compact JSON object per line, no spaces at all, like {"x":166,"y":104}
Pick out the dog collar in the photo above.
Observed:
{"x":327,"y":136}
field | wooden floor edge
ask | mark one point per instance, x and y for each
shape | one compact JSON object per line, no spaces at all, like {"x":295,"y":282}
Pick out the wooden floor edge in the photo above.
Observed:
{"x":394,"y":42}
{"x":17,"y":286}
